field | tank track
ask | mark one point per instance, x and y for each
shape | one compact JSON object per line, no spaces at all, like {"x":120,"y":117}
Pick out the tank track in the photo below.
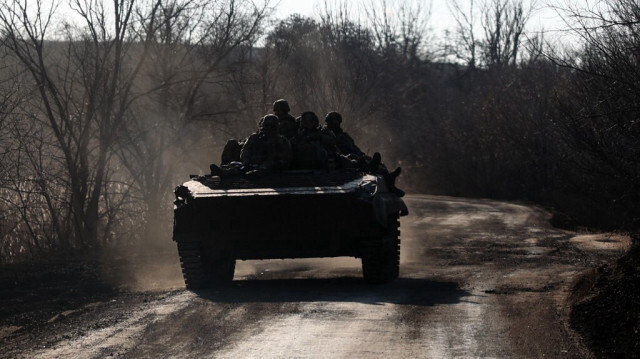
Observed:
{"x":201,"y":272}
{"x":381,"y":256}
{"x":193,"y":266}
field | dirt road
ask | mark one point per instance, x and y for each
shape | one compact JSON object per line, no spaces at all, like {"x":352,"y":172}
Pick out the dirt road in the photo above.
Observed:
{"x":479,"y":279}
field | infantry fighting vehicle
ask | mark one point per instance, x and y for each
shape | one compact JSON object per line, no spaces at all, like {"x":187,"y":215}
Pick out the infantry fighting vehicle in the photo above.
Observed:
{"x":294,"y":214}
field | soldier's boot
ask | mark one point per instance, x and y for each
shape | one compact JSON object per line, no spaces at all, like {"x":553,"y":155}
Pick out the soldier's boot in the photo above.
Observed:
{"x":395,"y":173}
{"x":390,"y":178}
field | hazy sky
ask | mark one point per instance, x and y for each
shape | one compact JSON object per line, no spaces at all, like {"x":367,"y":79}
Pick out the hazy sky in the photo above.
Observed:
{"x":440,"y":19}
{"x":288,"y":7}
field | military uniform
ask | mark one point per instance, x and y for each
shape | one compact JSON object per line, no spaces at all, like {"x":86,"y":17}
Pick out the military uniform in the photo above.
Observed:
{"x":266,"y":152}
{"x":349,"y":149}
{"x":313,"y":147}
{"x":231,"y":151}
{"x":346,"y":144}
{"x":287,"y":126}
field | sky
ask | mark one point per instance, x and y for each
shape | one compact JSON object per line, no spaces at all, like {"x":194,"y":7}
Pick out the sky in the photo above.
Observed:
{"x":440,"y":19}
{"x":543,"y":19}
{"x":288,"y":7}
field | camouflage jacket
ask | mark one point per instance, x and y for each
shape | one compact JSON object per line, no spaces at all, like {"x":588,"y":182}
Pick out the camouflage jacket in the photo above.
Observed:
{"x":347,"y":145}
{"x":313,"y":148}
{"x":287,"y":126}
{"x":266,"y":152}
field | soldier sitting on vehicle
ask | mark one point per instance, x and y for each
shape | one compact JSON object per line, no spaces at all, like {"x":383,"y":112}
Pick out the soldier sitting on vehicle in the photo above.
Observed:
{"x":345,"y":143}
{"x":267,"y":149}
{"x":348,"y":148}
{"x":264,"y":151}
{"x":313,"y":145}
{"x":287,"y":124}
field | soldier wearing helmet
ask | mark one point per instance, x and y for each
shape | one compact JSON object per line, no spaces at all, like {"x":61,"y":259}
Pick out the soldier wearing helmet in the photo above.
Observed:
{"x":348,"y":148}
{"x":286,"y":123}
{"x":345,"y":143}
{"x":313,"y":145}
{"x":266,"y":149}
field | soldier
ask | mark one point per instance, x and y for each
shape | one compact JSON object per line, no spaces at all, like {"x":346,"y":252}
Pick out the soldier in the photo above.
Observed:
{"x":264,"y":151}
{"x":267,"y":150}
{"x":348,"y":148}
{"x":313,"y":145}
{"x":345,"y":143}
{"x":286,"y":123}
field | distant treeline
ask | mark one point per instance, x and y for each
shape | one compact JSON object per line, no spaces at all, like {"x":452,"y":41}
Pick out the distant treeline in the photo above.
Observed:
{"x":98,"y":126}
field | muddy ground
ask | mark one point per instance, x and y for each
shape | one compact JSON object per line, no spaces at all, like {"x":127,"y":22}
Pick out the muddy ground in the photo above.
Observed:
{"x":478,"y":278}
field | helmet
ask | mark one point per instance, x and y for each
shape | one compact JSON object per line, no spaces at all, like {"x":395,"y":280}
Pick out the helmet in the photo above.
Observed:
{"x":333,"y":116}
{"x":309,"y":116}
{"x":269,"y":121}
{"x":281,"y":106}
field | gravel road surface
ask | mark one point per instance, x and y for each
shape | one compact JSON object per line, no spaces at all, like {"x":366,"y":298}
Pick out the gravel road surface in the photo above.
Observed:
{"x":478,"y":279}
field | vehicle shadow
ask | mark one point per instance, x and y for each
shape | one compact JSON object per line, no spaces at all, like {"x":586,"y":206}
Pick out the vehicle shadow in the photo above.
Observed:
{"x":407,"y":291}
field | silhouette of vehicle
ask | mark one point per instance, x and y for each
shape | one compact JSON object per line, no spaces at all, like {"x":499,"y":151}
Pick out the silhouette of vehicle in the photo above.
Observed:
{"x":293,"y":214}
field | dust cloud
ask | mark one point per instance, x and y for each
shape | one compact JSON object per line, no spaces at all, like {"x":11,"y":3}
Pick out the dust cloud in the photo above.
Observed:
{"x":299,"y":268}
{"x":143,"y":268}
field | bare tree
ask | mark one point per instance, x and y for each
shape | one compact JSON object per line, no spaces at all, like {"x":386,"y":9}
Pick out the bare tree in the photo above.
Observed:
{"x":84,"y":86}
{"x":601,"y":110}
{"x":503,"y":23}
{"x":195,"y":48}
{"x":501,"y":34}
{"x":465,"y":44}
{"x":400,"y":26}
{"x":33,"y":202}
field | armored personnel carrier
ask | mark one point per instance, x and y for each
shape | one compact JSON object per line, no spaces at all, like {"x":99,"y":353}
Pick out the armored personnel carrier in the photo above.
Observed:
{"x":295,"y":214}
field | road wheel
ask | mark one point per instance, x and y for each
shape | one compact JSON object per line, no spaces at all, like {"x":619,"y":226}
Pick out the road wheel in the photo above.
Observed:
{"x":381,"y":256}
